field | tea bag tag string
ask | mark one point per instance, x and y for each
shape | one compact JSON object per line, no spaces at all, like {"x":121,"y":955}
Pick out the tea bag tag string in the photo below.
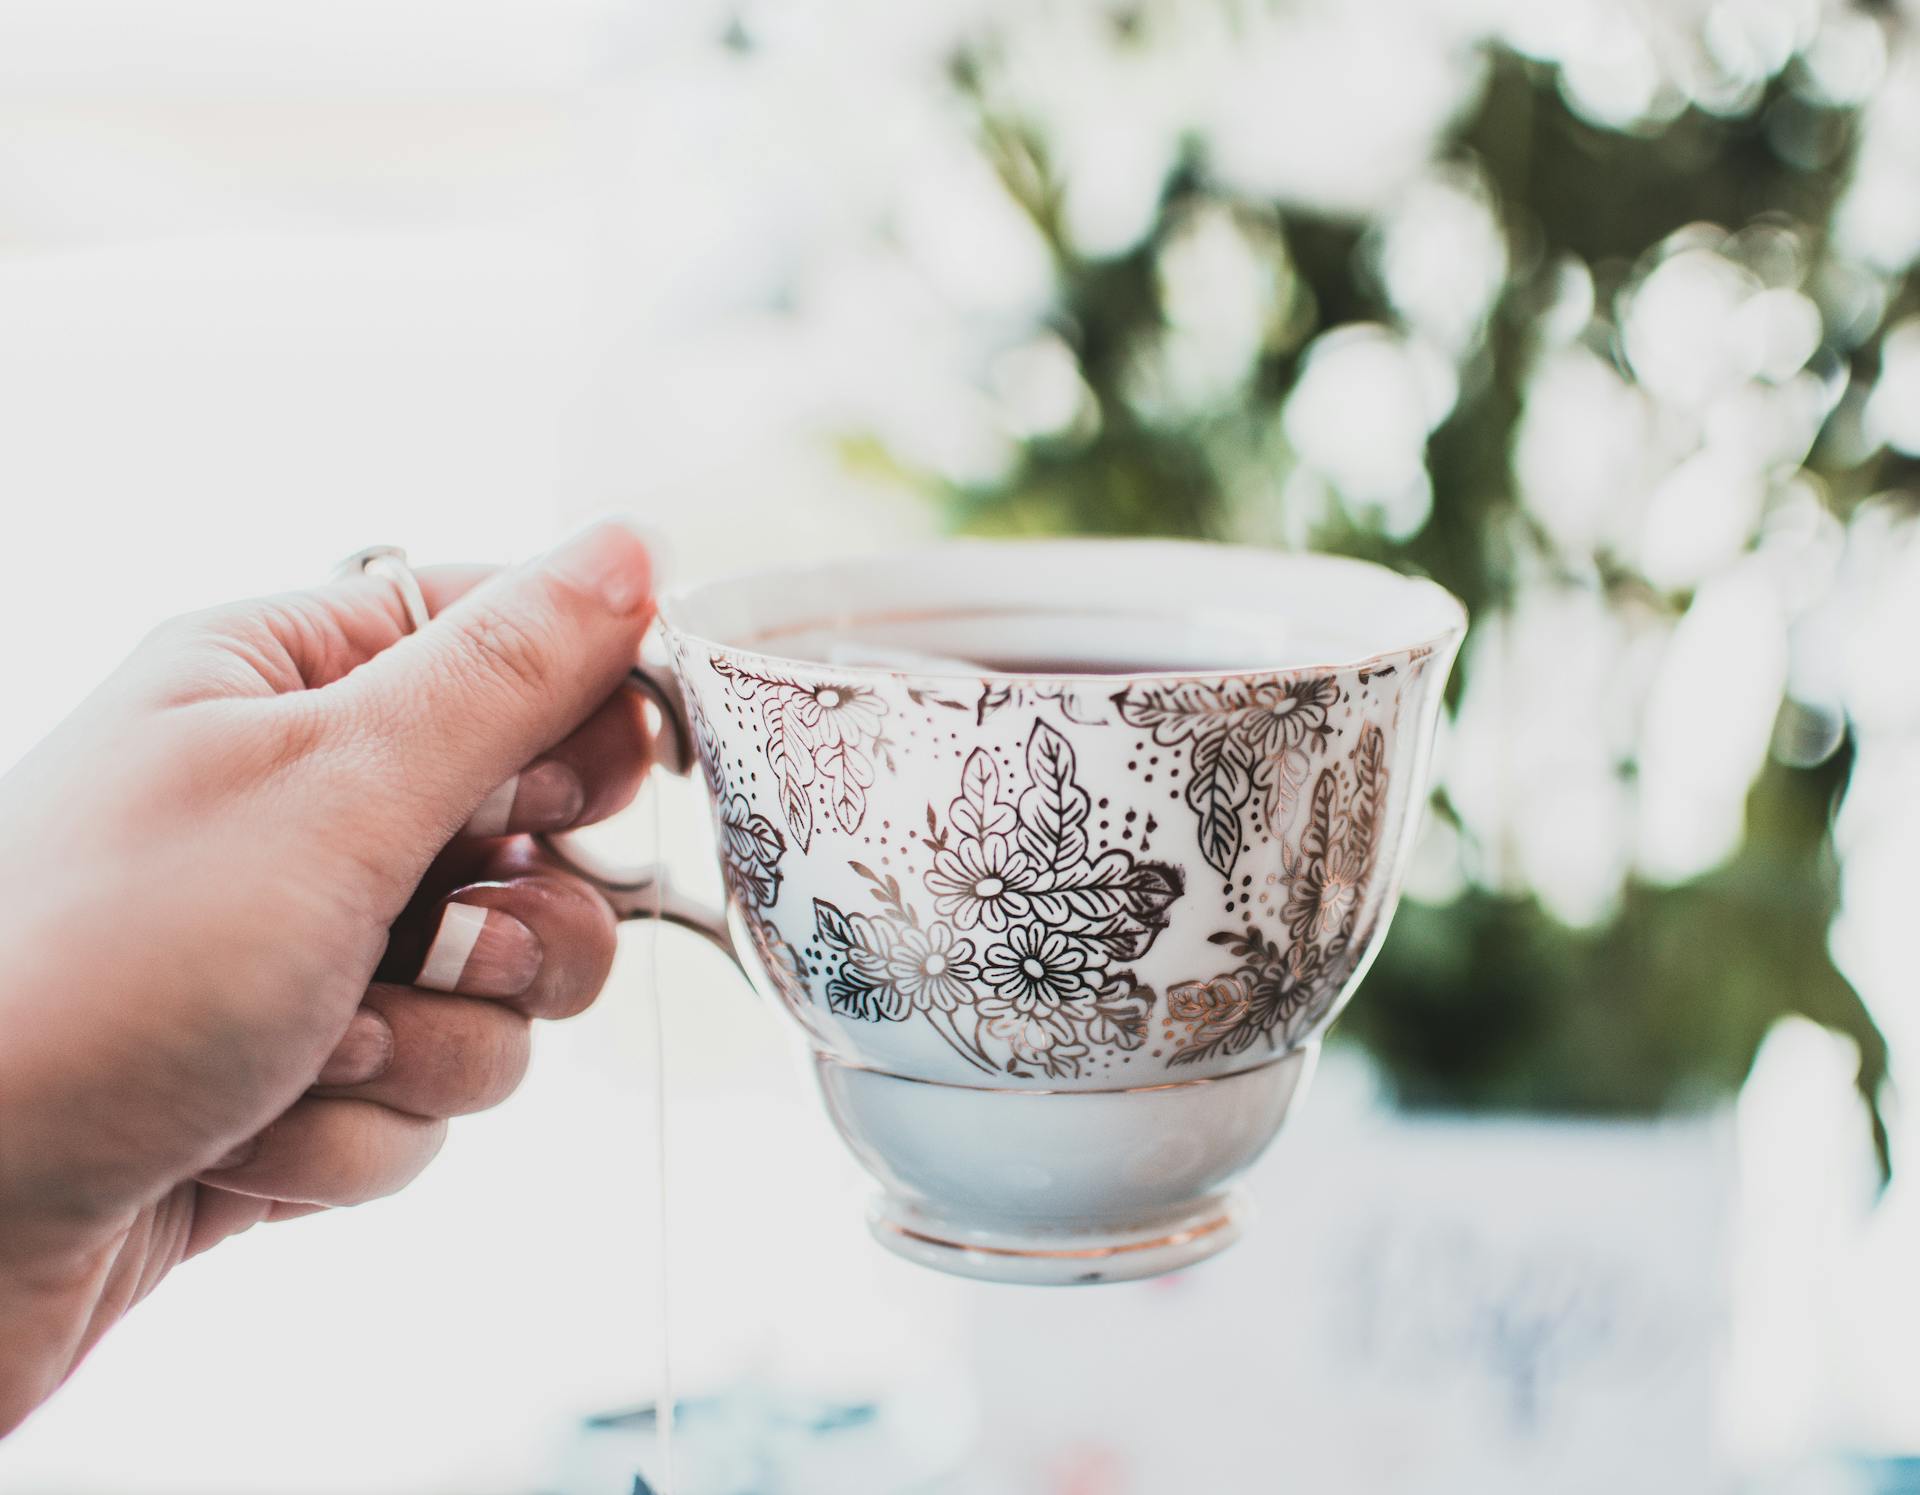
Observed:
{"x":641,"y":891}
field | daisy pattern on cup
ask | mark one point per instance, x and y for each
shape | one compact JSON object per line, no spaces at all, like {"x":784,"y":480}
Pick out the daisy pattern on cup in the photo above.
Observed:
{"x":1053,"y":918}
{"x":933,"y":967}
{"x":981,"y":883}
{"x":1036,"y":970}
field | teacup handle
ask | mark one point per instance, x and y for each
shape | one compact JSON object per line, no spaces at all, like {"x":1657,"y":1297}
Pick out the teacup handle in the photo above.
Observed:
{"x":646,"y":891}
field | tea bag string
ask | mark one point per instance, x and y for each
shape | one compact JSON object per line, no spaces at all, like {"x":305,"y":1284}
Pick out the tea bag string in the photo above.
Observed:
{"x":664,"y":1408}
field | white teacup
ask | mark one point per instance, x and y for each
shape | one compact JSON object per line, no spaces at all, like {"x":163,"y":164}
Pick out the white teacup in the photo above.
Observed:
{"x":1063,"y":916}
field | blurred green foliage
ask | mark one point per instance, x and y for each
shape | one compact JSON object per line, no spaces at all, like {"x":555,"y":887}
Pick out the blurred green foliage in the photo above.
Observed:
{"x":1488,"y":1000}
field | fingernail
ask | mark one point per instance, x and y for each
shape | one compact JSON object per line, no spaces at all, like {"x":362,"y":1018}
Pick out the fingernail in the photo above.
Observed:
{"x":547,"y":797}
{"x":609,"y":560}
{"x":363,"y":1052}
{"x":480,"y":952}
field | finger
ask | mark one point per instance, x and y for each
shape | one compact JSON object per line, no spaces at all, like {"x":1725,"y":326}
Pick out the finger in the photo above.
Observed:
{"x":536,"y":937}
{"x":594,"y":773}
{"x":500,"y":677}
{"x":219,"y":1215}
{"x":436,"y":1056}
{"x":302,"y":640}
{"x":333,"y":1152}
{"x":360,"y":616}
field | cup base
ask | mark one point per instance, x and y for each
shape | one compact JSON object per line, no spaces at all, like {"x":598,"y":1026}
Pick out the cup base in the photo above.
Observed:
{"x":1058,"y":1258}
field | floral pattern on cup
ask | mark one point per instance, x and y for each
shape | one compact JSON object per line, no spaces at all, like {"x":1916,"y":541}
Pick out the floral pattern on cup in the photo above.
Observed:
{"x":1281,"y":990}
{"x":1009,"y":932}
{"x":1249,"y":741}
{"x":1078,"y":706}
{"x":751,"y":848}
{"x":820,"y":738}
{"x":1027,"y":918}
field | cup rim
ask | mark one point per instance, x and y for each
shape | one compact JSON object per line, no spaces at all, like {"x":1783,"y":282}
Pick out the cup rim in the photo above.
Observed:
{"x":675,"y":598}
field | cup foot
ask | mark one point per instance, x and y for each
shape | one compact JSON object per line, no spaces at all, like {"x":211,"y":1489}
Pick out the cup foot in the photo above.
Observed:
{"x":1058,"y":1258}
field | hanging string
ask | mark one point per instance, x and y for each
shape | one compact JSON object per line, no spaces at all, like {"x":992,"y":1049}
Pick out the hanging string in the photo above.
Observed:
{"x":664,"y":1408}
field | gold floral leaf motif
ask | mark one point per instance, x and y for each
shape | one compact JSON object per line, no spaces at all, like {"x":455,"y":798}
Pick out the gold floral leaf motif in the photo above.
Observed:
{"x":1276,"y":995}
{"x":790,"y":756}
{"x":751,"y":848}
{"x":706,"y":745}
{"x":1218,"y":788}
{"x":891,"y":966}
{"x":1242,"y":735}
{"x":1208,"y":1010}
{"x":1366,"y":816}
{"x":1073,"y":702}
{"x":1119,"y":1014}
{"x":1338,"y":845}
{"x":980,"y":878}
{"x":996,"y":694}
{"x":1115,"y":901}
{"x":1282,"y":777}
{"x":750,"y":852}
{"x":819,"y":733}
{"x":1317,"y":976}
{"x":1036,"y":1044}
{"x":863,"y":987}
{"x":849,"y":774}
{"x":923,"y":697}
{"x":1053,"y":812}
{"x":979,"y":811}
{"x":1184,"y":711}
{"x":1278,"y":985}
{"x":1028,"y":922}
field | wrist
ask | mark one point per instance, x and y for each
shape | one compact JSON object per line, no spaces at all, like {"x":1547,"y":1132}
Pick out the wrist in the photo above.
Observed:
{"x":58,"y":1265}
{"x":54,"y":1292}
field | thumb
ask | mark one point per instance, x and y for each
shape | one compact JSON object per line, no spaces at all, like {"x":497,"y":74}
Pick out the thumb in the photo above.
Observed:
{"x":505,"y":673}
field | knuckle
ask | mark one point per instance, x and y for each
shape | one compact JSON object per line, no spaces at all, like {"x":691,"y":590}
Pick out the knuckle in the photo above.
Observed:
{"x":196,"y":627}
{"x":514,"y":650}
{"x":196,"y":656}
{"x":262,"y":632}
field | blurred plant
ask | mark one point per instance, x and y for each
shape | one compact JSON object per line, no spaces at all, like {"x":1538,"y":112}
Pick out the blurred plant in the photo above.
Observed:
{"x":1583,"y":315}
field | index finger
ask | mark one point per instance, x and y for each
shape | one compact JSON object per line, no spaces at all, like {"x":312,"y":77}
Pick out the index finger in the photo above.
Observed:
{"x":358,"y":617}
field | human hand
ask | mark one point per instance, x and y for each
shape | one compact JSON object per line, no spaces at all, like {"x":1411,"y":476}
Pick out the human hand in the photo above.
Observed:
{"x":271,"y":918}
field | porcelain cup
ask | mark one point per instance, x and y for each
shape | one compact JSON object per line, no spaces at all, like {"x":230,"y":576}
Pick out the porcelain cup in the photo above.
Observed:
{"x":1062,"y":854}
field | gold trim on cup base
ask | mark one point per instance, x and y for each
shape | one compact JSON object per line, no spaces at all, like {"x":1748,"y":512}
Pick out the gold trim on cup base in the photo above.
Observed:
{"x":1278,"y":1056}
{"x":1062,"y":1259}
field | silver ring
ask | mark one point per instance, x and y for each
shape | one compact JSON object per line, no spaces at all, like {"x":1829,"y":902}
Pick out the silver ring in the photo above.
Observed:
{"x":389,"y":563}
